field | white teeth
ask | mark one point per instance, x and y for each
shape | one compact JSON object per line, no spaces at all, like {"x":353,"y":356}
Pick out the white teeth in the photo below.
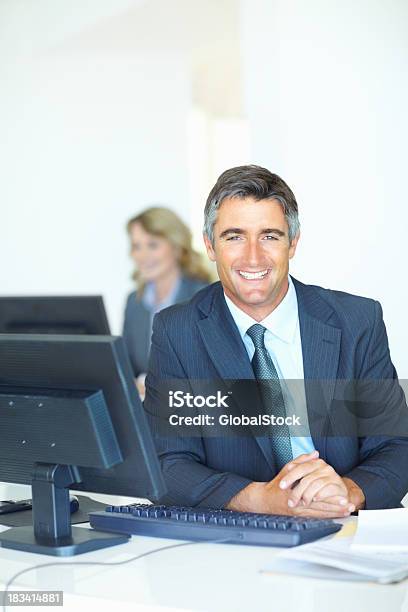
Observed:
{"x":252,"y":275}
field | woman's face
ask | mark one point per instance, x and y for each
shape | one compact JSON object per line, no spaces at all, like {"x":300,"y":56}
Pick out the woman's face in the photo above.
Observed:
{"x":154,"y":256}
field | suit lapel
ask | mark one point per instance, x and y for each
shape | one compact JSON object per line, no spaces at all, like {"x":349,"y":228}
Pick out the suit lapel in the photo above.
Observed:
{"x":223,"y":341}
{"x":228,"y":353}
{"x":321,"y":351}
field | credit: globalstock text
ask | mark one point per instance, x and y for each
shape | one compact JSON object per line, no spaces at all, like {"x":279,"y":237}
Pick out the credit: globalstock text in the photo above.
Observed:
{"x":227,"y":419}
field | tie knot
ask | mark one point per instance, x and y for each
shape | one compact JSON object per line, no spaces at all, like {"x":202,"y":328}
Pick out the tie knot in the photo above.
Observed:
{"x":256,"y":333}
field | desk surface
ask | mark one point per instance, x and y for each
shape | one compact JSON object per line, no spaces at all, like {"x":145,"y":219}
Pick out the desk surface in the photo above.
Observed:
{"x":211,"y":577}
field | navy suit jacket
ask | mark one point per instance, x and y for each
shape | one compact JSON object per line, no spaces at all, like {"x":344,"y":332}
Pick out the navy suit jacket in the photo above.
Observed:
{"x":343,"y":338}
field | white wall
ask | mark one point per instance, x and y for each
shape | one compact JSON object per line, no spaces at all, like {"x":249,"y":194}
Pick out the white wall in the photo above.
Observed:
{"x":96,"y":116}
{"x":89,"y":137}
{"x":326,"y":93}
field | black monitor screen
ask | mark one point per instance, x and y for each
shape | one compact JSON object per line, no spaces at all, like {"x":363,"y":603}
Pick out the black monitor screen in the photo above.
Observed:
{"x":53,"y":315}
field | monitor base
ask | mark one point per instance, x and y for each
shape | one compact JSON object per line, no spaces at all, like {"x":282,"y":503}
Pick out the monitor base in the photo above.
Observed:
{"x":82,"y":540}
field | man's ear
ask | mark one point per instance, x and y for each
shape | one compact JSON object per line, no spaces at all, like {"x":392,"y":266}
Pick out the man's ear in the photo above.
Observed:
{"x":209,"y":247}
{"x":293,"y":245}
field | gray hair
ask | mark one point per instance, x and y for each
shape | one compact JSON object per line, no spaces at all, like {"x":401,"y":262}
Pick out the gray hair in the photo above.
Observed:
{"x":251,"y":181}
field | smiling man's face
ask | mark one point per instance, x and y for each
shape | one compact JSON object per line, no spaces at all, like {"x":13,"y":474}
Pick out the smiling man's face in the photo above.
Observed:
{"x":252,"y":251}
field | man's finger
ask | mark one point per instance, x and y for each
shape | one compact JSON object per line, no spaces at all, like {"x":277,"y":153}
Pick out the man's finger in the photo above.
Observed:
{"x":329,"y":491}
{"x":300,"y":471}
{"x":336,"y":499}
{"x":315,"y":513}
{"x":299,"y":460}
{"x":308,"y":487}
{"x":326,"y":506}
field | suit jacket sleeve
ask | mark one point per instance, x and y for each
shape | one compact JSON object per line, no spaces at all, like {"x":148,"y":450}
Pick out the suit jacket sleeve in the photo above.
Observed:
{"x":382,"y":474}
{"x":189,"y":481}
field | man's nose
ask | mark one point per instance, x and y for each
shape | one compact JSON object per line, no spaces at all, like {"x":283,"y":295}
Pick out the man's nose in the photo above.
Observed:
{"x":253,"y":253}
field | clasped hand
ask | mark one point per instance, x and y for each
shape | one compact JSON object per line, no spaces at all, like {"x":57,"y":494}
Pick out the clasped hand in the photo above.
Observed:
{"x":313,"y":488}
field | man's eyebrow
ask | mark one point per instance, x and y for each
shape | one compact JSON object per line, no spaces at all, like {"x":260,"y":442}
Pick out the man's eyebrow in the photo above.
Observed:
{"x":232,"y":230}
{"x":240,"y":231}
{"x":273,"y":230}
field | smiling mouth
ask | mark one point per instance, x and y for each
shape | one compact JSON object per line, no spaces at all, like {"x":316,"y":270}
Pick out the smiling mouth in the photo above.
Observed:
{"x":253,"y":275}
{"x":149,"y":267}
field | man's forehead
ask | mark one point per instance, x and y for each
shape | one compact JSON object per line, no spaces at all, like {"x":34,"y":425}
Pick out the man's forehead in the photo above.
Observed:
{"x":241,"y":211}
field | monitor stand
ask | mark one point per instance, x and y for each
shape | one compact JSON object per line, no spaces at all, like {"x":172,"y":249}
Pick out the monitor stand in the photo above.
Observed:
{"x":51,"y":533}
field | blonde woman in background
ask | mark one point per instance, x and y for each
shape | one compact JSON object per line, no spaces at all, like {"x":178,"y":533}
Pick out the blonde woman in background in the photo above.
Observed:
{"x":168,"y":271}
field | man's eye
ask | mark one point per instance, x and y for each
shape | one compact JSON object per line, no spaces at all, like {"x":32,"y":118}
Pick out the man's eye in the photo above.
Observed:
{"x":271,"y":237}
{"x":234,"y":237}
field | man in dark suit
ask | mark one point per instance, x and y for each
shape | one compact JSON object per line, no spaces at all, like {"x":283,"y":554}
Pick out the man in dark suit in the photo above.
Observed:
{"x":258,"y":323}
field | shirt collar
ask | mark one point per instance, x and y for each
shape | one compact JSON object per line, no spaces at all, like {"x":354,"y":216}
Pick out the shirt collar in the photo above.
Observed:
{"x":149,"y":296}
{"x":281,"y":322}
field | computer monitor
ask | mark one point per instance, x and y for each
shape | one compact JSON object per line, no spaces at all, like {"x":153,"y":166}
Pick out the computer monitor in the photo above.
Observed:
{"x":80,"y":314}
{"x":71,"y":418}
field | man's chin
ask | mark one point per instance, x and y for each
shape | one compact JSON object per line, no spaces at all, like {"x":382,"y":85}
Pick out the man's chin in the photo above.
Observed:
{"x":255,"y":298}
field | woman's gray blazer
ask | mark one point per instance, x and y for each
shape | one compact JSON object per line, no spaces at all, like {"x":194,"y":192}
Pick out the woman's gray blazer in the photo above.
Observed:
{"x":137,"y":327}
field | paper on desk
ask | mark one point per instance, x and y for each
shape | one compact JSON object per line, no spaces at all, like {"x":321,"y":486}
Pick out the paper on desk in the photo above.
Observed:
{"x":279,"y":565}
{"x":337,"y":553}
{"x":382,"y":531}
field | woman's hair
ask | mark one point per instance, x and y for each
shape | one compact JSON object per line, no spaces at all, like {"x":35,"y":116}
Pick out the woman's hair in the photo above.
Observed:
{"x":163,"y":222}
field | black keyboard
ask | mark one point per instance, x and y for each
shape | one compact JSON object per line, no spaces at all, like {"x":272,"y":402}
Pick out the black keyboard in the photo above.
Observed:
{"x":184,"y":523}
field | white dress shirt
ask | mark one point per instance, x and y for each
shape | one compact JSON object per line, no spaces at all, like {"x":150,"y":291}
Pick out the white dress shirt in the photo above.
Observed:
{"x":283,"y":343}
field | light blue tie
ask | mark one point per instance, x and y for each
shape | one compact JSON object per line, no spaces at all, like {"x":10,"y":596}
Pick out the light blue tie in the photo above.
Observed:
{"x":271,"y":393}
